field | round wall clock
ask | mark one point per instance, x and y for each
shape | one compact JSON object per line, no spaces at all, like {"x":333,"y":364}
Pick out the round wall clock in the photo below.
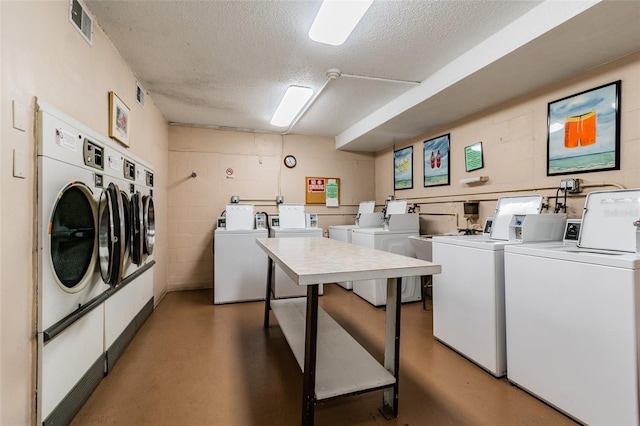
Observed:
{"x":290,"y":161}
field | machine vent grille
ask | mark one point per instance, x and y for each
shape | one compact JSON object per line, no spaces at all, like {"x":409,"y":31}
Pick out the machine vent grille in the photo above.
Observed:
{"x":81,"y":20}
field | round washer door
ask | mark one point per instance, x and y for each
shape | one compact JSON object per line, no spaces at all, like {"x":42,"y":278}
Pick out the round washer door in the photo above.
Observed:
{"x":149,"y":220}
{"x":126,"y":204}
{"x":111,"y":235}
{"x":137,"y":228}
{"x":72,"y":237}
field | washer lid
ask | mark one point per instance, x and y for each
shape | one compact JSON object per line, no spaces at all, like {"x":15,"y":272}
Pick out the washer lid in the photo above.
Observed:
{"x":607,"y":221}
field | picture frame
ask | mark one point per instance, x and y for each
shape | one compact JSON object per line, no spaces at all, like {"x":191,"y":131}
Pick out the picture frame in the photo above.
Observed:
{"x":473,"y":157}
{"x":436,"y":161}
{"x":583,"y":131}
{"x":403,"y":168}
{"x":119,"y":120}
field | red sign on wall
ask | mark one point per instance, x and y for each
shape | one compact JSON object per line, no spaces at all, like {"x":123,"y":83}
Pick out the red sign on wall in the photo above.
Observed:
{"x":315,"y":185}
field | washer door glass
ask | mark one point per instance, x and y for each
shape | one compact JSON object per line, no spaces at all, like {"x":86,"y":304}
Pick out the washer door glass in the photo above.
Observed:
{"x":72,"y":233}
{"x":111,"y":235}
{"x":136,"y":228}
{"x":149,"y":218}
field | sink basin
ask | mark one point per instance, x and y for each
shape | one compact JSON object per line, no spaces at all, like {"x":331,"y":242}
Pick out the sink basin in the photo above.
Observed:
{"x":422,"y":246}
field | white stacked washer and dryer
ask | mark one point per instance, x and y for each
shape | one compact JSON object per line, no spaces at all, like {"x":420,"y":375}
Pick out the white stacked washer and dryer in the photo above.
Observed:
{"x":573,"y":314}
{"x":81,"y":248}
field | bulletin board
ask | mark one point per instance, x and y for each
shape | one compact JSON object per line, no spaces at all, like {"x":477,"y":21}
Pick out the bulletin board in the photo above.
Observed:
{"x":316,"y":189}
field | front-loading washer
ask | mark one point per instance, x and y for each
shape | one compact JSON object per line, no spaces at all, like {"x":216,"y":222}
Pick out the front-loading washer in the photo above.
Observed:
{"x":70,"y":318}
{"x":144,"y":289}
{"x":127,"y":300}
{"x":573,"y":315}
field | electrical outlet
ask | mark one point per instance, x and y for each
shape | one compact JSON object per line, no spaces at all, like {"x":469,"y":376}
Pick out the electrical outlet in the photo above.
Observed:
{"x":571,"y":186}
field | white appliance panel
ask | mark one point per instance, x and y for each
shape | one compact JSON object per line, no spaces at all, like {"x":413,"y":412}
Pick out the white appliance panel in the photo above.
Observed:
{"x":240,"y":266}
{"x":468,"y":302}
{"x":68,"y":357}
{"x":240,"y":217}
{"x":607,"y":223}
{"x":366,"y":207}
{"x":291,"y":216}
{"x":375,"y":291}
{"x":572,"y":334}
{"x":283,"y":285}
{"x":343,"y":233}
{"x":507,"y":207}
{"x":119,"y":311}
{"x":144,"y":289}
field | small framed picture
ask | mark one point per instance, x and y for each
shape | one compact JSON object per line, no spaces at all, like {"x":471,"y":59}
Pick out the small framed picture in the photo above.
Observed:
{"x":583,"y":131}
{"x":436,"y":161}
{"x":403,"y":168}
{"x":119,"y":120}
{"x":473,"y":159}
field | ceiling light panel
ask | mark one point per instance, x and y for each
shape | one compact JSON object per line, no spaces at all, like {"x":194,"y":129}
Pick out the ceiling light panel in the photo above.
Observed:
{"x":336,"y":19}
{"x":294,"y":99}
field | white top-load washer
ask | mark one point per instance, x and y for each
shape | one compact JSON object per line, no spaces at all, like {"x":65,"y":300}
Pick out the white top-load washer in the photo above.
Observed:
{"x":573,"y":314}
{"x":292,"y":224}
{"x":239,"y":263}
{"x":365,"y":218}
{"x":468,"y":296}
{"x":393,"y":237}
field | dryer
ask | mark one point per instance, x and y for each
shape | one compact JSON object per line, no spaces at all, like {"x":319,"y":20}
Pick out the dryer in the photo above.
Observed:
{"x":573,"y":315}
{"x":145,"y":178}
{"x":82,"y":249}
{"x":70,"y":317}
{"x":131,"y":293}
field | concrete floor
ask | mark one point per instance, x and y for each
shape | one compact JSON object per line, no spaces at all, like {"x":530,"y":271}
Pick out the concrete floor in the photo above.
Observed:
{"x":194,"y":363}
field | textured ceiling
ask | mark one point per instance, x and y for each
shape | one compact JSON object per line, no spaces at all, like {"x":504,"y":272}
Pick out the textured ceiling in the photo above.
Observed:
{"x":227,"y":63}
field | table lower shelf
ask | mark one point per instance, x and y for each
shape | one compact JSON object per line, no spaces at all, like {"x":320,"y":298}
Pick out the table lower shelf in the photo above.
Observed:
{"x":342,"y":366}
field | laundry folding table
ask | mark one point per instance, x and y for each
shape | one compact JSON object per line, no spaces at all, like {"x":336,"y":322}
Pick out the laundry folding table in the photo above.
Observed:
{"x":333,"y":363}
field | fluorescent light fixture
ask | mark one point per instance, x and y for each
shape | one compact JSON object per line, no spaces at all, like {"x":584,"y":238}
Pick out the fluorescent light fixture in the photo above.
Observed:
{"x":336,"y":19}
{"x":294,"y":99}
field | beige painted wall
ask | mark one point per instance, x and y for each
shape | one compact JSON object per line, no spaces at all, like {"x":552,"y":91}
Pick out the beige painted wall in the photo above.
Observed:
{"x":514,"y":139}
{"x":259,"y":175}
{"x":44,"y":56}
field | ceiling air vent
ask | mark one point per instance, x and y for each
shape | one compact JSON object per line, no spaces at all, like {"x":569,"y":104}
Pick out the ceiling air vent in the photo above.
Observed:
{"x":81,"y":20}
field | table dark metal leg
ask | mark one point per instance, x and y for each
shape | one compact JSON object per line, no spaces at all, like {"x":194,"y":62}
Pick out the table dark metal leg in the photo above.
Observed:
{"x":267,"y":299}
{"x":310,"y":349}
{"x":392,"y":346}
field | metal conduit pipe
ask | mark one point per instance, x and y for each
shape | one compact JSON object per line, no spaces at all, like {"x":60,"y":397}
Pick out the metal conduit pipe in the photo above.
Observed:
{"x":331,"y":75}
